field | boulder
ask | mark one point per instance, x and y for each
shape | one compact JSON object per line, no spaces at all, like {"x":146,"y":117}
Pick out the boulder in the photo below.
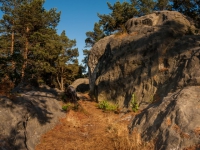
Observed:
{"x":158,"y":55}
{"x":81,"y":85}
{"x":25,"y":117}
{"x":174,"y":123}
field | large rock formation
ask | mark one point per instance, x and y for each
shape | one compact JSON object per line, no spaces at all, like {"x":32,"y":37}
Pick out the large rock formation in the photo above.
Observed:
{"x":158,"y":61}
{"x":25,"y":117}
{"x":81,"y":85}
{"x":158,"y":55}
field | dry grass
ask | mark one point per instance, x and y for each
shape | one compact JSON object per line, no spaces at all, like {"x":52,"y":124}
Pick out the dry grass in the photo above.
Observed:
{"x":91,"y":128}
{"x":124,"y":141}
{"x":122,"y":35}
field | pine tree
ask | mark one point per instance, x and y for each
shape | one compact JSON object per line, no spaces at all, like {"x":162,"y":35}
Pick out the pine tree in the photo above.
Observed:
{"x":162,"y":5}
{"x":39,"y":53}
{"x":35,"y":25}
{"x":94,"y":36}
{"x":144,"y":7}
{"x":9,"y":8}
{"x":115,"y":21}
{"x":66,"y":64}
{"x":8,"y":36}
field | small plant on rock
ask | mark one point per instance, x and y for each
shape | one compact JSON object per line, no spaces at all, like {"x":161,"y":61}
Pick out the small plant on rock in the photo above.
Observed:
{"x":134,"y":104}
{"x":151,"y":99}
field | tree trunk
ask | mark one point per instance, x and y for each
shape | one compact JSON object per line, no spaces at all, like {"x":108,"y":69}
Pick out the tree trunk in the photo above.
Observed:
{"x":60,"y":83}
{"x":12,"y":49}
{"x":12,"y":43}
{"x":25,"y":54}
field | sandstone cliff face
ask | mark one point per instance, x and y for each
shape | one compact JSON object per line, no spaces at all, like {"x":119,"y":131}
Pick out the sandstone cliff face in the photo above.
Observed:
{"x":155,"y":57}
{"x":158,"y":61}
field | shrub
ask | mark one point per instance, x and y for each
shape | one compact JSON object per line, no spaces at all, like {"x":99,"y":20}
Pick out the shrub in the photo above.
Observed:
{"x":134,"y":104}
{"x":66,"y":107}
{"x":105,"y":105}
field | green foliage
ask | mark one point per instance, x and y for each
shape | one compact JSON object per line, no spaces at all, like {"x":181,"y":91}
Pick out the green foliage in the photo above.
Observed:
{"x":120,"y":13}
{"x":31,"y":50}
{"x":86,"y":53}
{"x":70,"y":106}
{"x":134,"y":104}
{"x":105,"y":105}
{"x":108,"y":24}
{"x":94,"y":36}
{"x":162,"y":5}
{"x":144,"y":7}
{"x":66,"y":64}
{"x":66,"y":107}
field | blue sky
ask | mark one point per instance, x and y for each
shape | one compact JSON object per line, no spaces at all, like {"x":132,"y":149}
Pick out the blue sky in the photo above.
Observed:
{"x":78,"y":17}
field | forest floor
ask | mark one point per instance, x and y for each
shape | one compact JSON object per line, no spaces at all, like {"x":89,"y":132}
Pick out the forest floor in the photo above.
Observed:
{"x":91,"y":128}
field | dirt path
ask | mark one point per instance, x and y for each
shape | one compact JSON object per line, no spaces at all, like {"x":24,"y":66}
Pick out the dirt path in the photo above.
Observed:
{"x":89,"y":128}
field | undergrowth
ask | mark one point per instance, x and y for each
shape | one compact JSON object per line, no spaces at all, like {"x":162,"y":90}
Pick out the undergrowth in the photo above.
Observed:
{"x":66,"y":107}
{"x":108,"y":106}
{"x":69,"y":106}
{"x":134,"y":104}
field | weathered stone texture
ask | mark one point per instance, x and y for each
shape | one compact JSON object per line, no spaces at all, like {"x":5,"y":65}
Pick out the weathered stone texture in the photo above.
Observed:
{"x":174,"y":123}
{"x":25,"y":117}
{"x":145,"y":62}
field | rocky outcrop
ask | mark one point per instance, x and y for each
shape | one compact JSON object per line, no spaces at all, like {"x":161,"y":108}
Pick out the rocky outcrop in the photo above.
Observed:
{"x":81,"y":85}
{"x":158,"y":61}
{"x":174,"y":123}
{"x":25,"y":117}
{"x":157,"y":56}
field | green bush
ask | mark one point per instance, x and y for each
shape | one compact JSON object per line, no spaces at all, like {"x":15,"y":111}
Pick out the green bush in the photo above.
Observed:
{"x":105,"y":105}
{"x":66,"y":107}
{"x":134,"y":104}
